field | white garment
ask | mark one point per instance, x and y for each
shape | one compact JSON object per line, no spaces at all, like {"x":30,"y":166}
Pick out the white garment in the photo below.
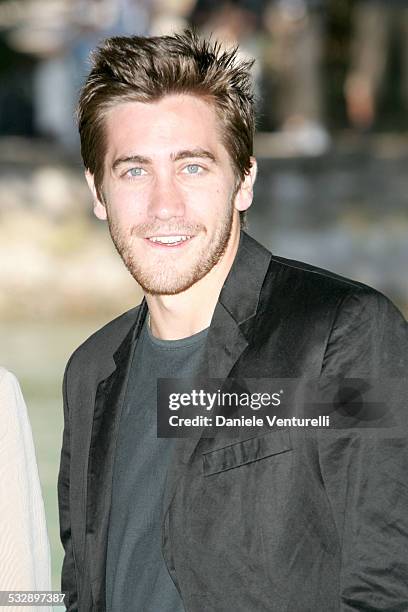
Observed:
{"x":24,"y":545}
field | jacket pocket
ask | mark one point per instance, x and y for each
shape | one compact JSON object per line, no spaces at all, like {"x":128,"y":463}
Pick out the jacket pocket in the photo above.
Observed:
{"x":245,"y":451}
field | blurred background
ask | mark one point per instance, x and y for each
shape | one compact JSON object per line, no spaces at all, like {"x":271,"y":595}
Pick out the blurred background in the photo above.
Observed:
{"x":331,"y":79}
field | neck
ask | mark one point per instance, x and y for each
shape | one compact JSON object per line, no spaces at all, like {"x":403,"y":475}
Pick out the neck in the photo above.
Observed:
{"x":178,"y":316}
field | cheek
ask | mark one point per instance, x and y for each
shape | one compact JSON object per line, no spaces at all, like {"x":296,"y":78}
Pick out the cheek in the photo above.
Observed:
{"x":125,"y":205}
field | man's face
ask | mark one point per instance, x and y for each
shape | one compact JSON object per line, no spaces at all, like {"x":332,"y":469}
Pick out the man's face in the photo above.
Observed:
{"x":168,"y":191}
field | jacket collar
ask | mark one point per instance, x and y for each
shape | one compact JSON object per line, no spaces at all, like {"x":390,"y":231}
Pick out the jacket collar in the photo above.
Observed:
{"x":121,"y":355}
{"x":241,"y":292}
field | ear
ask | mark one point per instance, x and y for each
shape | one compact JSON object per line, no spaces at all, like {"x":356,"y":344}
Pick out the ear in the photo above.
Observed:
{"x":243,"y":199}
{"x":99,"y":207}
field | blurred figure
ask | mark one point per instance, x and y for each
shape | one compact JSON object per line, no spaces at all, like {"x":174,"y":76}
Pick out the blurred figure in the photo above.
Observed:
{"x":234,"y":22}
{"x":294,"y":61}
{"x":60,"y":35}
{"x":169,"y":16}
{"x":374,"y":24}
{"x":94,"y":20}
{"x":24,"y":546}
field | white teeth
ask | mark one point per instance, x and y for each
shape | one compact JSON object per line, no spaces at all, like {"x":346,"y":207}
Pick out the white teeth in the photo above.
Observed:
{"x":169,"y":239}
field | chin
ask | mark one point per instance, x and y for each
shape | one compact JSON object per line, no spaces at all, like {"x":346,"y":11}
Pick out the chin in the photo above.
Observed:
{"x":167,"y":286}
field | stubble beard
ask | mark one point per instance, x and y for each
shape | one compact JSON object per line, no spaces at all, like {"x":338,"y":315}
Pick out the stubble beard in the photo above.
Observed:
{"x":162,"y":277}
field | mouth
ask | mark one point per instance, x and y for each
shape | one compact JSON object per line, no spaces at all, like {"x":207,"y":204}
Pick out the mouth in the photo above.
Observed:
{"x":169,"y":241}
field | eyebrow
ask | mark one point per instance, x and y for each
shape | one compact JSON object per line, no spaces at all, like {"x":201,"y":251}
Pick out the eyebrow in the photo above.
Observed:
{"x":184,"y":154}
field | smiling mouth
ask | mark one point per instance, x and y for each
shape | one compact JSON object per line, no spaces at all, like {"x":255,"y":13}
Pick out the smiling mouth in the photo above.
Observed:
{"x":169,"y":241}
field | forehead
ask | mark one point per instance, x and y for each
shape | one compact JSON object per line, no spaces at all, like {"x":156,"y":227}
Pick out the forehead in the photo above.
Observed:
{"x":158,"y":128}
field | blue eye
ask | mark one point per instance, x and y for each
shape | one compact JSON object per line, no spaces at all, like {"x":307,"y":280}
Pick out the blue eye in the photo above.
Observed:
{"x":193,"y":169}
{"x":135,"y":171}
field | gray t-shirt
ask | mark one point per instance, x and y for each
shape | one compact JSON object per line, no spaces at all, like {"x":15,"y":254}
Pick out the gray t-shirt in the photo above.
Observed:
{"x":136,"y":575}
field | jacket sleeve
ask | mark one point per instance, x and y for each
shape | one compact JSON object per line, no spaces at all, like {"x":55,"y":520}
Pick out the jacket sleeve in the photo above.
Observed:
{"x":365,"y":470}
{"x":68,"y":578}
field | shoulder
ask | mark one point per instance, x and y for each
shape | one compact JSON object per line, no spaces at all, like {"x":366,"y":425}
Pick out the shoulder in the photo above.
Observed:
{"x":360,"y":330}
{"x":102,"y":344}
{"x":346,"y":312}
{"x":308,"y":284}
{"x":295,"y":290}
{"x":13,"y":411}
{"x":9,"y":386}
{"x":314,"y":275}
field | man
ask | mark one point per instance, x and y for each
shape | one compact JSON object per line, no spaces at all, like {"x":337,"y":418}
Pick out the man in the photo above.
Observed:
{"x":287,"y":520}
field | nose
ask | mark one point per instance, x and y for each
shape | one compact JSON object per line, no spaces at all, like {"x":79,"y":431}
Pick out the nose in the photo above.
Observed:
{"x":166,"y":199}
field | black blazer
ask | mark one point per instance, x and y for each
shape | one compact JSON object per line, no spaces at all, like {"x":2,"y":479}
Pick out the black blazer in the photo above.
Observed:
{"x":293,"y":520}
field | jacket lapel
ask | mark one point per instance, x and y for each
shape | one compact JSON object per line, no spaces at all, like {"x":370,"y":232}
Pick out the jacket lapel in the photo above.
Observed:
{"x":109,"y":400}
